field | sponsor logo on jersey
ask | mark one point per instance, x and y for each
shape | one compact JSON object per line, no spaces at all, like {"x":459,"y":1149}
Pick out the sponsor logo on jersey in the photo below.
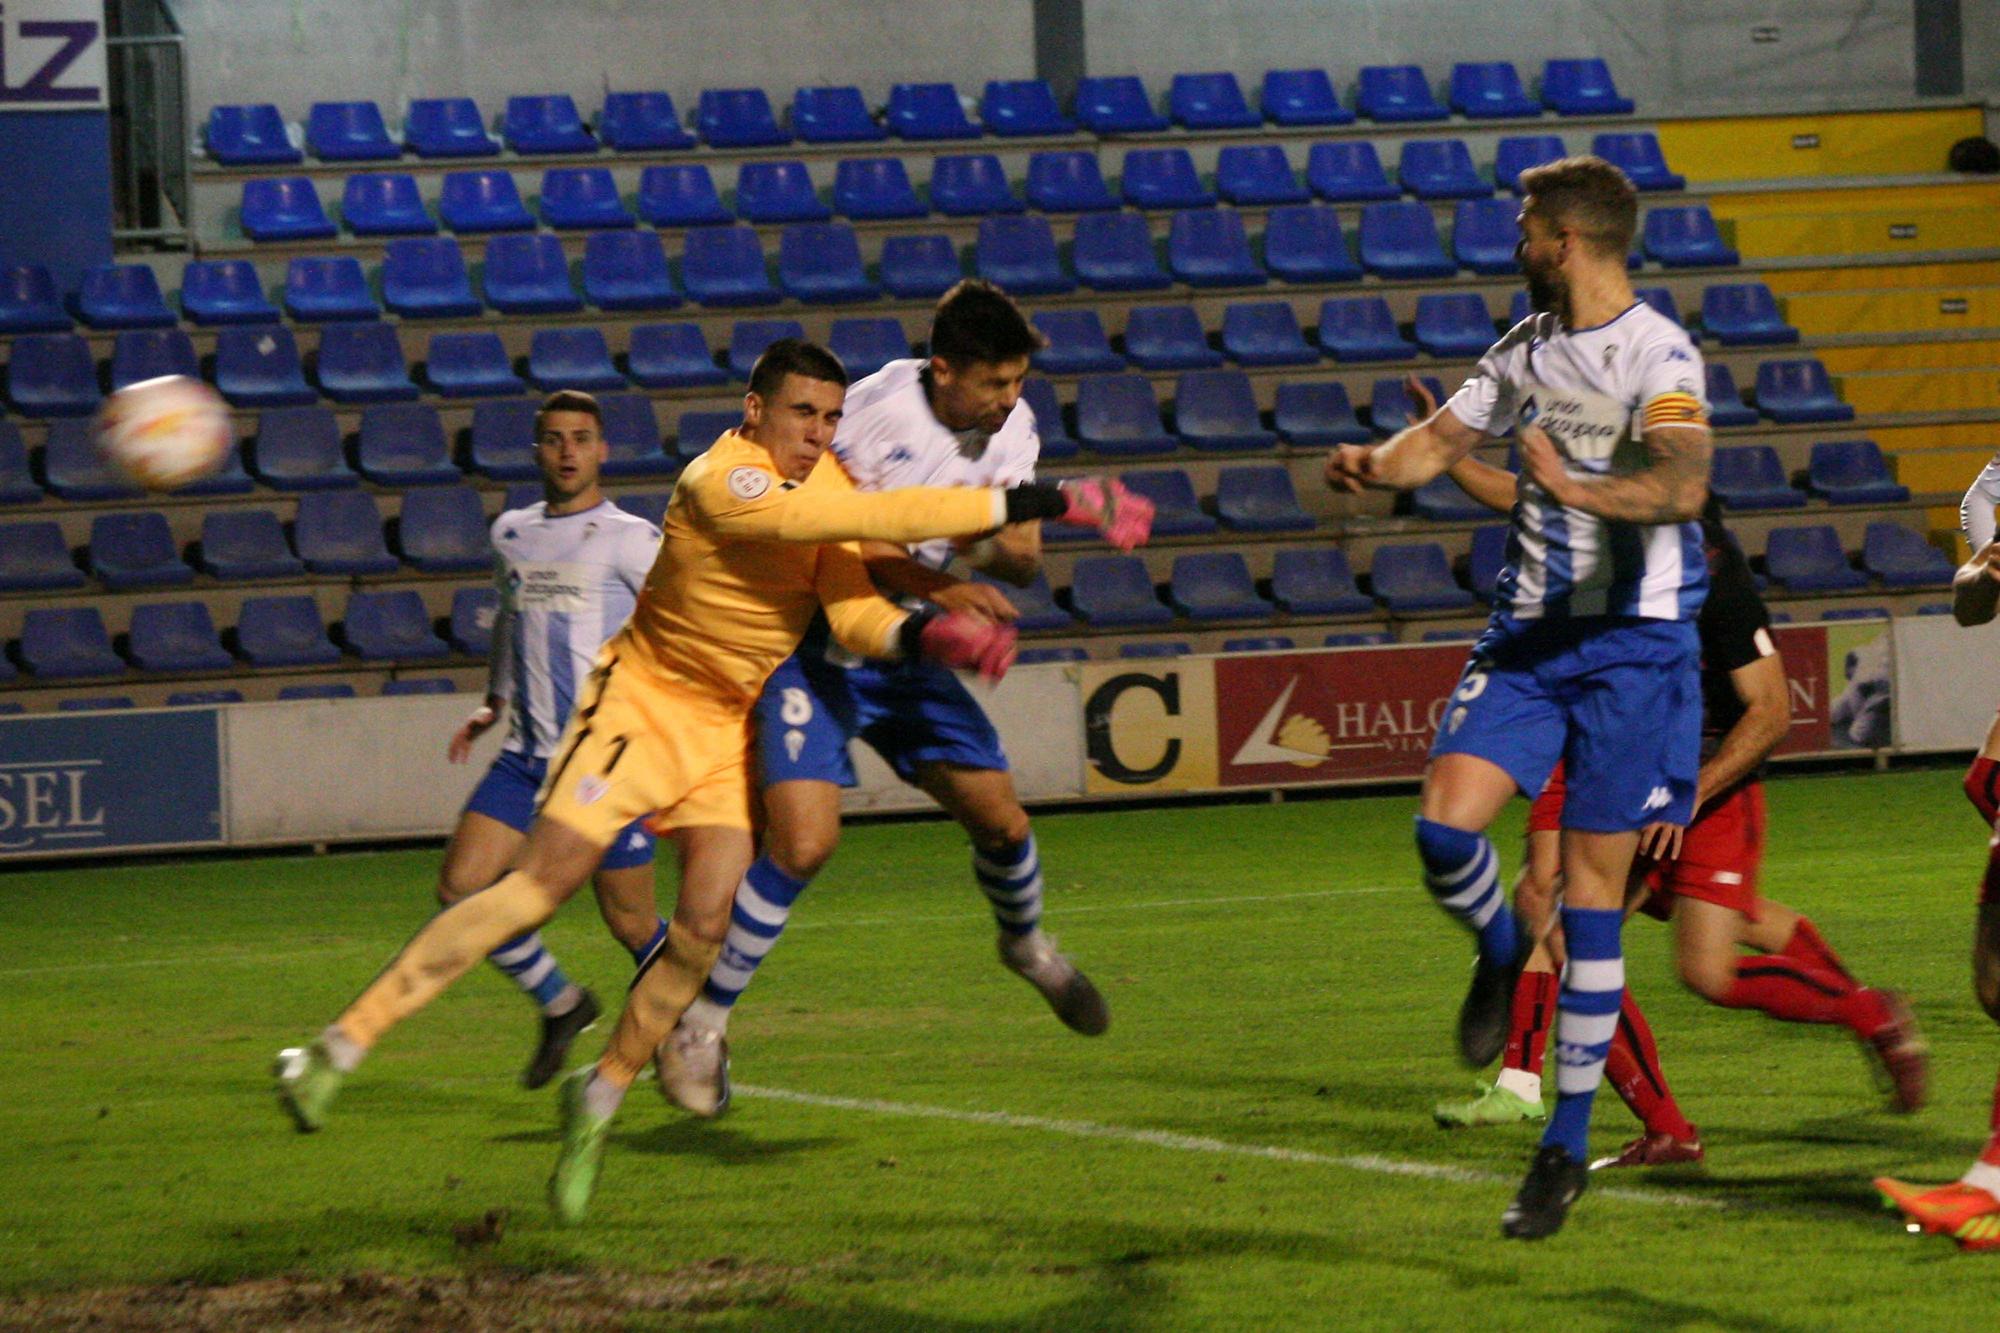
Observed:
{"x":747,"y":483}
{"x":555,"y":586}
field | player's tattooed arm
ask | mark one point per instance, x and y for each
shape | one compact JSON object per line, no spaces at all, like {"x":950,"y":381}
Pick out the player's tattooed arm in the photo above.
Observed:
{"x":1494,"y":487}
{"x":1013,"y":554}
{"x":1975,"y":589}
{"x":1409,"y":458}
{"x":1671,"y":489}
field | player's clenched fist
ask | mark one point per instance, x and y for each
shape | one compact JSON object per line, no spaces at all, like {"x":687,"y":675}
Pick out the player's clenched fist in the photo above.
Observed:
{"x":959,"y":640}
{"x":1350,"y":467}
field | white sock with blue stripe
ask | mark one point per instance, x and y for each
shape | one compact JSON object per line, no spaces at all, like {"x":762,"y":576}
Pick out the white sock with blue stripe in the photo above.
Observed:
{"x":533,"y":968}
{"x":1593,"y":988}
{"x":763,"y":904}
{"x":1462,"y":871}
{"x":1011,"y":879}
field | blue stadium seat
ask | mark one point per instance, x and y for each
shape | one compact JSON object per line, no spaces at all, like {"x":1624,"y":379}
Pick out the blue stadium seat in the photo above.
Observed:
{"x":122,"y":296}
{"x":1362,"y":328}
{"x":1176,"y":508}
{"x":1258,"y":174}
{"x":777,"y":192}
{"x":632,"y":437}
{"x":865,"y":345}
{"x":1260,"y":498}
{"x":246,"y":544}
{"x":363,"y":363}
{"x":1450,"y":635}
{"x":1118,"y":414}
{"x":1316,"y":581}
{"x":17,"y":484}
{"x":1040,"y":396}
{"x":1685,"y":236}
{"x":681,"y":195}
{"x":52,"y":375}
{"x":1114,"y":590}
{"x":834,"y":115}
{"x":1638,"y":155}
{"x":447,"y":127}
{"x":1019,"y":254}
{"x":1389,"y":405}
{"x":424,"y":277}
{"x":1443,"y":500}
{"x":1795,"y":391}
{"x":390,"y":626}
{"x":349,"y":132}
{"x":698,"y":430}
{"x":582,"y":198}
{"x":1217,"y":410}
{"x":572,"y":358}
{"x":298,"y":449}
{"x":1015,"y":108}
{"x":144,"y":354}
{"x":737,"y":118}
{"x":528,"y":275}
{"x":34,"y":557}
{"x":503,"y":441}
{"x":29,"y":301}
{"x":1172,"y":648}
{"x":820,"y":262}
{"x":64,"y":643}
{"x":328,"y":287}
{"x":1485,"y":560}
{"x":972,"y":184}
{"x":1068,"y":182}
{"x":1113,"y":252}
{"x":1401,"y":241}
{"x":1398,"y":93}
{"x":1415,"y":577}
{"x":332,"y":690}
{"x":1076,"y":343}
{"x":1167,"y":337}
{"x":408,"y":685}
{"x":1294,"y":97}
{"x":283,"y":632}
{"x":1851,"y":613}
{"x":724,"y":266}
{"x":442,"y":530}
{"x":1440,"y":169}
{"x":641,"y":122}
{"x":403,"y":444}
{"x":252,"y":135}
{"x":1853,"y":472}
{"x":385,"y":203}
{"x":1903,"y":559}
{"x":927,"y":111}
{"x":1162,"y":178}
{"x":1454,"y":324}
{"x":749,"y":337}
{"x":483,"y":201}
{"x":1316,"y":415}
{"x":1739,"y":314}
{"x":627,"y":270}
{"x":1749,"y":476}
{"x":1260,"y":643}
{"x":136,"y":549}
{"x":1305,"y":243}
{"x":649,"y":505}
{"x":340,"y":532}
{"x":1206,"y":247}
{"x":1725,"y":400}
{"x":473,"y":611}
{"x":1264,"y":333}
{"x":1036,"y":603}
{"x":97,"y":703}
{"x":177,"y":636}
{"x":1118,"y":104}
{"x":203,"y":698}
{"x":1489,"y":91}
{"x":916,"y":268}
{"x":1483,"y":236}
{"x":545,"y":123}
{"x":672,"y":356}
{"x":875,"y":187}
{"x":73,"y":469}
{"x":1581,"y":88}
{"x":1517,"y":152}
{"x":1044,"y":656}
{"x":1215,"y":585}
{"x":257,"y":365}
{"x":1210,"y":102}
{"x":1348,"y":172}
{"x":285,"y":209}
{"x":1369,"y":640}
{"x":1809,"y":559}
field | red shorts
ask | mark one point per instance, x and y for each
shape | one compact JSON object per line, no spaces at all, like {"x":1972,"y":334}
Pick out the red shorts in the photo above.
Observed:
{"x":1545,"y":815}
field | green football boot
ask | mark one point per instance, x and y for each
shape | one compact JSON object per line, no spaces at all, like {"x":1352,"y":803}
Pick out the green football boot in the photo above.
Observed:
{"x":582,"y":1151}
{"x":307,"y":1082}
{"x":1493,"y":1106}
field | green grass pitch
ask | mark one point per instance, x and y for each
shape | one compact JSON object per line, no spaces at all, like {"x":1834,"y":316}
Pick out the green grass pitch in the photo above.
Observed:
{"x":918,"y":1144}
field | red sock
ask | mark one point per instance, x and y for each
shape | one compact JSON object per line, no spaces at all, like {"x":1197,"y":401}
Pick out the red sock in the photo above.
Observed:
{"x":1982,"y":788}
{"x":1802,"y":992}
{"x":1807,"y":946}
{"x":1633,"y":1069}
{"x":1534,"y":1010}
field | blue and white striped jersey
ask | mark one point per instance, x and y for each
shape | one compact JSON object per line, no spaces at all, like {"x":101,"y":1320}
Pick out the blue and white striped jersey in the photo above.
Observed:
{"x":1595,"y":392}
{"x":567,"y":583}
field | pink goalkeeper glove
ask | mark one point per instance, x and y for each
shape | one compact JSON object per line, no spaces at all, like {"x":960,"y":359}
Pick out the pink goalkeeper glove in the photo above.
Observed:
{"x":1123,"y":516}
{"x":966,"y":643}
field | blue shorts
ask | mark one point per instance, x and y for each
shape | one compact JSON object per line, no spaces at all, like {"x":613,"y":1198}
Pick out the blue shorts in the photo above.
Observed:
{"x":1617,"y":699}
{"x":910,"y":714}
{"x":507,"y":793}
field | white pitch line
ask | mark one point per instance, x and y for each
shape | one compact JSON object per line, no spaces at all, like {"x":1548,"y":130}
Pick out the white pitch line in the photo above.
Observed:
{"x":1158,"y":1138}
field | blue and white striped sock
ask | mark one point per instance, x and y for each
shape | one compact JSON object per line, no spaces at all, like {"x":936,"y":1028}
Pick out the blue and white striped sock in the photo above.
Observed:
{"x":532,"y":968}
{"x":642,"y":954}
{"x":1462,"y":871}
{"x":1593,"y":987}
{"x":763,"y":903}
{"x":1011,"y":879}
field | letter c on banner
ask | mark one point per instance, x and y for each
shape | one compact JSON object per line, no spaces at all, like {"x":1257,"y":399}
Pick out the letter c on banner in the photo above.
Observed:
{"x":1100,"y":743}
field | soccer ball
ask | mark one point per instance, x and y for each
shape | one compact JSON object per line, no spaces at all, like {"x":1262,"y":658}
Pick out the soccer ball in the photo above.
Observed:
{"x":165,"y":433}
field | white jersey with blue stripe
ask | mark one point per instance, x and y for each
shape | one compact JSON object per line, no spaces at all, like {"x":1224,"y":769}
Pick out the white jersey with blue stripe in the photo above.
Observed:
{"x":1594,"y":391}
{"x":567,"y":583}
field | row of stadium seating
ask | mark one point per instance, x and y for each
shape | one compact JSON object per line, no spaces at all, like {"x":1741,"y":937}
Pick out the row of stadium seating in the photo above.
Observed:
{"x":104,"y":703}
{"x":256,"y":134}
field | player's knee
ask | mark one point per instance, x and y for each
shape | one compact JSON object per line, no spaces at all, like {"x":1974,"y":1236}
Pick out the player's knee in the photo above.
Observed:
{"x":1710,"y":978}
{"x":999,"y":829}
{"x":802,"y":850}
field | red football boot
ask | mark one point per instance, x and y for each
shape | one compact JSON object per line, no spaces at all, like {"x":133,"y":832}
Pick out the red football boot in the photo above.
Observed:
{"x":1654,"y":1150}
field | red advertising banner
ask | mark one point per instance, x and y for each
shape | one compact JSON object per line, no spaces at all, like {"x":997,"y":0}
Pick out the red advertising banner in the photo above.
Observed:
{"x":1804,"y":651}
{"x":1286,"y":718}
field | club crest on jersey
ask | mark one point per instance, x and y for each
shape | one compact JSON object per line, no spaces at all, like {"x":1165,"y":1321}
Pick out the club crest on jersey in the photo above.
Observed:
{"x":747,"y":483}
{"x":591,"y":789}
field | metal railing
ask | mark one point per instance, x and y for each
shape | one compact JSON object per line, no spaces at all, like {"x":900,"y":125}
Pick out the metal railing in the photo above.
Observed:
{"x":149,"y":124}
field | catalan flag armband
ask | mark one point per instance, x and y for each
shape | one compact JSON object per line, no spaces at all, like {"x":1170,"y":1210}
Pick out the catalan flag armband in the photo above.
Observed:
{"x":1673,"y":408}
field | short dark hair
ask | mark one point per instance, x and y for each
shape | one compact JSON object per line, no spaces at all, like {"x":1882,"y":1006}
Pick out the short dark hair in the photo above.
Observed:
{"x":568,"y":400}
{"x":976,"y":322}
{"x":1587,"y":194}
{"x":794,"y":356}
